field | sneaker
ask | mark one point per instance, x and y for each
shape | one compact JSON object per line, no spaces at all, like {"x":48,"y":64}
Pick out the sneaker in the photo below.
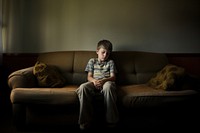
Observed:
{"x":84,"y":126}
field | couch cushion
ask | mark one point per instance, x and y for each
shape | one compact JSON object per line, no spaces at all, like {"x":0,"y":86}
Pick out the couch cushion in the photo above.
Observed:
{"x":133,"y":67}
{"x":137,"y":67}
{"x":168,"y":78}
{"x":55,"y":96}
{"x":142,"y":95}
{"x":48,"y":76}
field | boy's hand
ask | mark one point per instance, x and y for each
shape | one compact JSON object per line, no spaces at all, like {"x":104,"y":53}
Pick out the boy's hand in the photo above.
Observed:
{"x":98,"y":84}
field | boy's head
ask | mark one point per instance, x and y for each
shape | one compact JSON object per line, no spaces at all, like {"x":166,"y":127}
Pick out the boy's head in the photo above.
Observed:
{"x":104,"y":48}
{"x":105,"y":44}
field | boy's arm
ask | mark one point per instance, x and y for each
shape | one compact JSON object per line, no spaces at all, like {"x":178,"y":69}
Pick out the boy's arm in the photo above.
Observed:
{"x":99,"y":83}
{"x":90,"y":77}
{"x":96,"y":83}
{"x":111,"y":78}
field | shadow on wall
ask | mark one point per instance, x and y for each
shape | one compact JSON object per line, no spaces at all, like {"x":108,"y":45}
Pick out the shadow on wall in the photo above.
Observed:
{"x":125,"y":47}
{"x":132,"y":47}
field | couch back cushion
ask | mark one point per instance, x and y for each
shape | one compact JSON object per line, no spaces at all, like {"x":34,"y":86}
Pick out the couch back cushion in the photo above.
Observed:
{"x":71,"y":64}
{"x":133,"y":67}
{"x":137,"y":67}
{"x":62,"y":60}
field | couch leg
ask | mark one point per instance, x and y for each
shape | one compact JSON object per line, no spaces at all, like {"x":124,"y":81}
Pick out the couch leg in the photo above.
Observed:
{"x":19,"y":116}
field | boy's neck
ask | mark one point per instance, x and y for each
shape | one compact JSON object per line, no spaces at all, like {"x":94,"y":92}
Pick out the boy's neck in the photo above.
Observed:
{"x":101,"y":60}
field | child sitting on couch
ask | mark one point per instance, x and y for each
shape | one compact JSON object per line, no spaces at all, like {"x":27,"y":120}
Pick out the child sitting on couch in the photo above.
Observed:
{"x":101,"y":79}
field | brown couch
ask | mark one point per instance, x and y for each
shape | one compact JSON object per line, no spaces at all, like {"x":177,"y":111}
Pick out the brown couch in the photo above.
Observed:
{"x":33,"y":104}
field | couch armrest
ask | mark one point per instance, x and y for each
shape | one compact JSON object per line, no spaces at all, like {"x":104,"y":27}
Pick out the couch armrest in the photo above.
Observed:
{"x":22,"y":78}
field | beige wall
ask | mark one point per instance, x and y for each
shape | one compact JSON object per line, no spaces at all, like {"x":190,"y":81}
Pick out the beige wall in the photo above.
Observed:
{"x":169,"y":26}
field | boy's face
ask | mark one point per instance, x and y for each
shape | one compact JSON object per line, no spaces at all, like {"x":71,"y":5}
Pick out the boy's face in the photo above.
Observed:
{"x":103,"y":54}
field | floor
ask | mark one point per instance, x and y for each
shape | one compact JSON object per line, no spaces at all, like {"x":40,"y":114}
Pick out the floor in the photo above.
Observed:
{"x":190,"y":124}
{"x":7,"y":126}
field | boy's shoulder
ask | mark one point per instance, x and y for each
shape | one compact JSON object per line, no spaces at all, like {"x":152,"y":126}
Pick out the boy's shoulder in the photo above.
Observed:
{"x":93,"y":59}
{"x":96,"y":59}
{"x":110,"y":60}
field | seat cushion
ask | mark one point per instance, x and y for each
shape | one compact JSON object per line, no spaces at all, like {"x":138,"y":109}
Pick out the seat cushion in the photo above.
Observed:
{"x":144,"y":96}
{"x":65,"y":95}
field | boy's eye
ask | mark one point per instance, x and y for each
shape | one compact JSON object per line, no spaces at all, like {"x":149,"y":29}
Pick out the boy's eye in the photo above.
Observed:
{"x":103,"y":52}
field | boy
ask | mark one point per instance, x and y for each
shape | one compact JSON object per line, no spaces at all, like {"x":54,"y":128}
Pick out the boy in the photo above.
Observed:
{"x":101,"y":79}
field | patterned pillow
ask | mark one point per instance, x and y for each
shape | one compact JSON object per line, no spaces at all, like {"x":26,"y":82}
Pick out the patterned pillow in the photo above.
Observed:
{"x":168,"y":78}
{"x":48,"y":76}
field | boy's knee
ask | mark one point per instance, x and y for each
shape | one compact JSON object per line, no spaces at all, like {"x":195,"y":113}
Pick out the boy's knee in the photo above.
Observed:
{"x":109,"y":85}
{"x":82,"y":86}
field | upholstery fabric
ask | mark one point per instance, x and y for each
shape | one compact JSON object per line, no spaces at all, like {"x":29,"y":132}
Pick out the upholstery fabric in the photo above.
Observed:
{"x":22,"y":78}
{"x":142,"y":95}
{"x":54,"y":96}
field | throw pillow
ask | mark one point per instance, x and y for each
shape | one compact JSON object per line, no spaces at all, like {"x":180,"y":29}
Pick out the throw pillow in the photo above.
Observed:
{"x":168,"y":78}
{"x":48,"y":76}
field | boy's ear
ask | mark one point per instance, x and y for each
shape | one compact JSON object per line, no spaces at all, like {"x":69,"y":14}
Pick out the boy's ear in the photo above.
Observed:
{"x":97,"y":51}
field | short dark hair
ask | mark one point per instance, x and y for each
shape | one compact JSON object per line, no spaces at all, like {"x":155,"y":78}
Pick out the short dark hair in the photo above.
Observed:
{"x":106,"y":44}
